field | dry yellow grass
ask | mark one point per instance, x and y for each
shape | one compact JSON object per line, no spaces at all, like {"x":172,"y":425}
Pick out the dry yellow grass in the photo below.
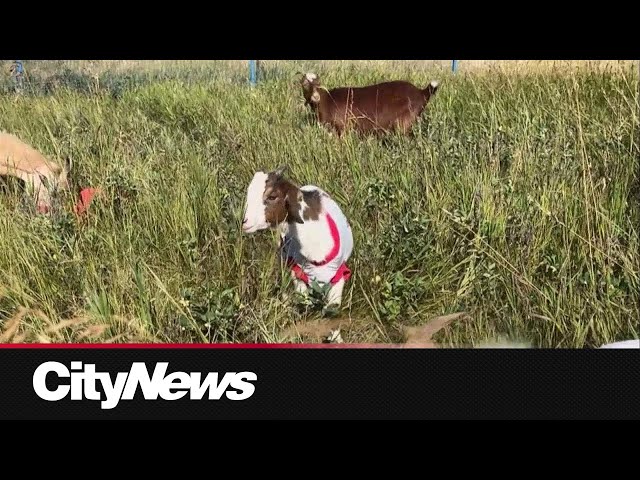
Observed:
{"x":45,"y":68}
{"x":80,"y":329}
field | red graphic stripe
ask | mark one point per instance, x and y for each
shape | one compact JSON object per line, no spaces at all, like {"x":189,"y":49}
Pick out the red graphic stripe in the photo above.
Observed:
{"x":335,"y":235}
{"x":196,"y":346}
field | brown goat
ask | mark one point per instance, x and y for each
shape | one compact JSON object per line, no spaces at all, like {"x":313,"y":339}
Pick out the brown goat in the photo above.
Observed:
{"x":378,"y":108}
{"x":41,"y":176}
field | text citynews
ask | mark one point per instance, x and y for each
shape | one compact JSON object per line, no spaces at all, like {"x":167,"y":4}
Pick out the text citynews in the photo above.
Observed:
{"x":176,"y":385}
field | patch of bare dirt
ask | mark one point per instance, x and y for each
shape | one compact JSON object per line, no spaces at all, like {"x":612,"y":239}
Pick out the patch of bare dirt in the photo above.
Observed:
{"x":317,"y":331}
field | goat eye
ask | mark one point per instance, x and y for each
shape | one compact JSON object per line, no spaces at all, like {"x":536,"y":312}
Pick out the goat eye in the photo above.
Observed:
{"x":272,"y":198}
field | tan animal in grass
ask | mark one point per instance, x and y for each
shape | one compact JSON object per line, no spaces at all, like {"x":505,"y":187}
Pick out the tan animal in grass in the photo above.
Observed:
{"x":42,"y":177}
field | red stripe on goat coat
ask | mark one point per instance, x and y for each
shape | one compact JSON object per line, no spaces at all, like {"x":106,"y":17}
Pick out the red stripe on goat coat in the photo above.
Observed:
{"x":335,"y":236}
{"x":343,"y":271}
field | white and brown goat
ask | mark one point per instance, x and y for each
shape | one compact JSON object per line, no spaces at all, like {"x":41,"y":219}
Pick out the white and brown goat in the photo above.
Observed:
{"x":41,"y":176}
{"x":316,"y":238}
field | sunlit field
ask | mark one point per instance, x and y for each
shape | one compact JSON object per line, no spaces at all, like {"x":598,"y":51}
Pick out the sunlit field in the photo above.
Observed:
{"x":515,"y":203}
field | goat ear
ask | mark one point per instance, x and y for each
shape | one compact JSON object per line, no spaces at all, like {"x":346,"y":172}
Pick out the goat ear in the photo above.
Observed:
{"x":68,"y":164}
{"x":279,"y":172}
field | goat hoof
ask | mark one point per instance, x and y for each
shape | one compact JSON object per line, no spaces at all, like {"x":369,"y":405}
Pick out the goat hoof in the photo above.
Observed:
{"x":333,"y":337}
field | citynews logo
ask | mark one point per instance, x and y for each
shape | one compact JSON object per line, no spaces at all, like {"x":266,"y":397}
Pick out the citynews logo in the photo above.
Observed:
{"x":176,"y":385}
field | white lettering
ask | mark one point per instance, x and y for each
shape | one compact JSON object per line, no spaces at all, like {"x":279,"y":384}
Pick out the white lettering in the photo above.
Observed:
{"x":183,"y":383}
{"x":90,"y":391}
{"x":113,"y":392}
{"x":140,"y":375}
{"x":174,"y":386}
{"x":239,"y":383}
{"x":40,"y":381}
{"x":198,"y":389}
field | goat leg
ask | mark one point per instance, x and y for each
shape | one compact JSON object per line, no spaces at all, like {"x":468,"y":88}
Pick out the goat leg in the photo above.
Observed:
{"x":334,"y":297}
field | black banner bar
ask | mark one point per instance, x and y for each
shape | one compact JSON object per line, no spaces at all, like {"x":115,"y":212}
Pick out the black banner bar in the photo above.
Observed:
{"x":298,"y":383}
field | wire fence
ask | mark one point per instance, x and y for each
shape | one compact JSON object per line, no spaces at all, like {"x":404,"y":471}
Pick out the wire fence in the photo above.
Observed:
{"x":44,"y":77}
{"x":253,"y":69}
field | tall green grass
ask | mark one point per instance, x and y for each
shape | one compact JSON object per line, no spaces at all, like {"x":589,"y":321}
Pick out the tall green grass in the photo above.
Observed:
{"x":516,"y":202}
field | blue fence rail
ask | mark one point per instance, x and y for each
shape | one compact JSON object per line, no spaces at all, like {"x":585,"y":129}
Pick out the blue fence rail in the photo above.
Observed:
{"x":253,"y":73}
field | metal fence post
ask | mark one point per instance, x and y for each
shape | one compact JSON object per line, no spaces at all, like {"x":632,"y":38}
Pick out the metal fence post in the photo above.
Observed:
{"x":454,"y":65}
{"x":17,"y":72}
{"x":252,"y":72}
